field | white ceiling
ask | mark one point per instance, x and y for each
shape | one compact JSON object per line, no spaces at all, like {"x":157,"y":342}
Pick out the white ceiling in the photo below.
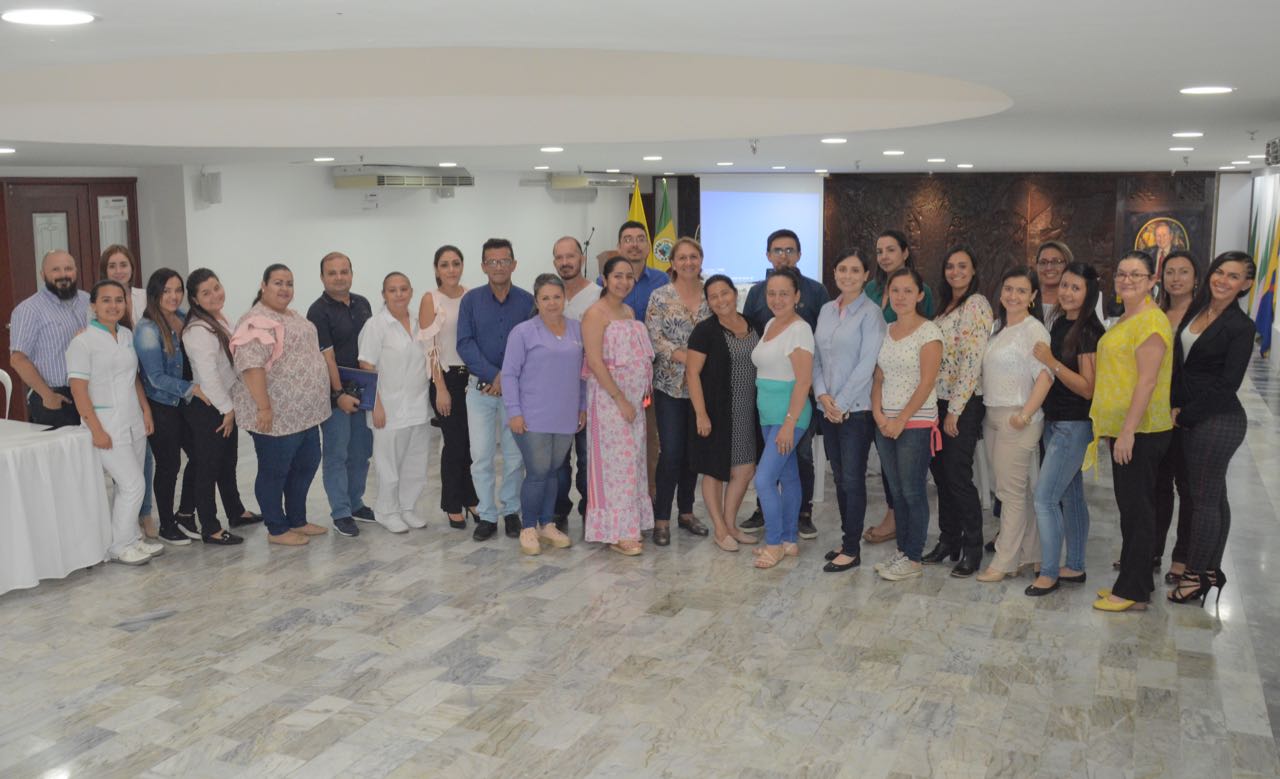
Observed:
{"x":1086,"y":85}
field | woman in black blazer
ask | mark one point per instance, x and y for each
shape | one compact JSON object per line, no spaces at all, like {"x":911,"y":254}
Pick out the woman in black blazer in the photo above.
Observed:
{"x":1211,"y":354}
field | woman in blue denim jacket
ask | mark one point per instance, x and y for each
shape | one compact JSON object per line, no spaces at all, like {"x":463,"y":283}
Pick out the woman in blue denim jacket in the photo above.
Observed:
{"x":163,"y":368}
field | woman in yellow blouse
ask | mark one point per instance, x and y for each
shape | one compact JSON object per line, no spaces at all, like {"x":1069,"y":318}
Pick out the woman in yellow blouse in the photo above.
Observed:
{"x":1131,"y":409}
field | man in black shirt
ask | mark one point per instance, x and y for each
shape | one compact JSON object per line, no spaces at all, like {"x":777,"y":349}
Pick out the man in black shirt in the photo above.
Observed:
{"x":338,"y":315}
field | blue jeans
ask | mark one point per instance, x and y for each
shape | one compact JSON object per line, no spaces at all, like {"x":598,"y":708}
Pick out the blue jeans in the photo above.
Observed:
{"x":674,"y":476}
{"x":564,"y":477}
{"x":542,"y":453}
{"x":486,"y":420}
{"x":348,"y":445}
{"x":1059,"y":498}
{"x":778,"y":487}
{"x":286,"y":467}
{"x":905,"y":463}
{"x":847,"y":445}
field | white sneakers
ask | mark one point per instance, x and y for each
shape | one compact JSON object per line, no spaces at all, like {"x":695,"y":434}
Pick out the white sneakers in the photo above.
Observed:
{"x":897,"y":555}
{"x":133,"y":554}
{"x":155,"y":550}
{"x":392,"y":523}
{"x":901,"y":567}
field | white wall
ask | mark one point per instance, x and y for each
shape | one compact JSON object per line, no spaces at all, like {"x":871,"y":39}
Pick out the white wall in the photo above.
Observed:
{"x":293,"y":214}
{"x":162,"y":219}
{"x":1231,"y":221}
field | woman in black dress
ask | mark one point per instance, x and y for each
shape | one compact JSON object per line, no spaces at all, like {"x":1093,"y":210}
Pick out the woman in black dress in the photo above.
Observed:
{"x":722,"y":389}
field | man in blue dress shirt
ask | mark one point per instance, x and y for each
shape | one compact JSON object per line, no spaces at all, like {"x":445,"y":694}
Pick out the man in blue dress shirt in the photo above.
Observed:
{"x":485,"y":318}
{"x":782,"y":248}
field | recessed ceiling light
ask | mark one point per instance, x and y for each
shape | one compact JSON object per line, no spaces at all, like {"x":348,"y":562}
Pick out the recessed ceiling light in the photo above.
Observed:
{"x":7,"y":150}
{"x":1257,"y":156}
{"x":936,"y":159}
{"x":820,"y":170}
{"x":835,"y":140}
{"x":552,"y":149}
{"x":447,"y":165}
{"x":1182,"y":148}
{"x":613,"y":170}
{"x":964,"y":165}
{"x":653,"y":158}
{"x":724,"y":164}
{"x":893,"y":152}
{"x":1189,"y":134}
{"x":1241,"y":162}
{"x":322,"y":159}
{"x":1206,"y":90}
{"x":668,"y":173}
{"x":542,"y":167}
{"x":1226,"y":167}
{"x":778,"y":167}
{"x":47,"y":17}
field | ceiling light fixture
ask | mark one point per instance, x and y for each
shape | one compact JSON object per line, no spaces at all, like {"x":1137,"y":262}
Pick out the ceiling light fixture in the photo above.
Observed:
{"x":1257,"y":156}
{"x":965,"y":165}
{"x":778,"y":167}
{"x":47,"y":17}
{"x":820,"y":170}
{"x":7,"y":150}
{"x":668,"y":173}
{"x":893,"y":152}
{"x":1188,"y":134}
{"x":322,"y":159}
{"x":936,"y":159}
{"x":724,"y":164}
{"x":1241,"y":162}
{"x":448,"y":165}
{"x":552,"y":149}
{"x":1226,"y":167}
{"x":1206,"y":90}
{"x":1182,"y":148}
{"x":653,"y":158}
{"x":613,"y":170}
{"x":542,"y":167}
{"x":835,"y":140}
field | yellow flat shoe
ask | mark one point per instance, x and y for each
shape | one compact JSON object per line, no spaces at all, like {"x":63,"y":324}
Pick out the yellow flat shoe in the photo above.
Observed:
{"x":1104,"y":592}
{"x":1105,"y":604}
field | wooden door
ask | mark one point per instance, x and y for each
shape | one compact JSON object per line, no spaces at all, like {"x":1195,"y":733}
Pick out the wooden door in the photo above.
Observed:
{"x":38,"y":215}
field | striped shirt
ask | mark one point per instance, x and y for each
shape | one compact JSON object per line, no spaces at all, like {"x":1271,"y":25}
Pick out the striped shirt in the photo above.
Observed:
{"x":42,"y":328}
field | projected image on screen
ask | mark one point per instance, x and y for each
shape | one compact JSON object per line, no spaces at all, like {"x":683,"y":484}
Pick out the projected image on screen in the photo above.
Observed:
{"x":739,"y":213}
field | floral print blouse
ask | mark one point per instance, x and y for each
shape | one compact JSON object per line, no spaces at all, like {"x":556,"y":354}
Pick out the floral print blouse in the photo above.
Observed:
{"x":670,"y":324}
{"x":964,"y":340}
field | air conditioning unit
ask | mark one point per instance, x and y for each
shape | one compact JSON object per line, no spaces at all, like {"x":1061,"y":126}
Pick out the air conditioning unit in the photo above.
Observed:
{"x":399,"y":177}
{"x":591,"y":181}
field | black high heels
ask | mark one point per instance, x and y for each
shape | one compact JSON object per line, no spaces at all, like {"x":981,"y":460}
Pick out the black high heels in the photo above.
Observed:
{"x":940,"y":554}
{"x":1204,"y":583}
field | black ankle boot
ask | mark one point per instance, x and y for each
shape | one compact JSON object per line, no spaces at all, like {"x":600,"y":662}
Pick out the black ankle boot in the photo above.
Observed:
{"x":940,"y":553}
{"x":968,"y":565}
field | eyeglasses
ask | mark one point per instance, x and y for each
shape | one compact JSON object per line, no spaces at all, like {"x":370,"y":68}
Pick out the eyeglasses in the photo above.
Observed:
{"x":497,"y":262}
{"x":631,"y":240}
{"x":1134,"y":276}
{"x":784,"y":251}
{"x":1058,"y":263}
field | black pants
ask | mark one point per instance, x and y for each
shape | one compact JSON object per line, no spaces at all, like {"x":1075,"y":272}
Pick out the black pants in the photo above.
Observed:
{"x":1171,"y":474}
{"x":212,"y":464}
{"x":1134,"y":485}
{"x":675,"y":478}
{"x":169,"y":441}
{"x":959,"y":507}
{"x":1207,"y":451}
{"x":66,"y":416}
{"x":456,"y":487}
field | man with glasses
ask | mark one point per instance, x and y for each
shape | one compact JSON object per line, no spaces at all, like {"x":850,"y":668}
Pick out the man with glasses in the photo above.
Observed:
{"x":486,"y":316}
{"x":782,"y":249}
{"x":580,"y":294}
{"x":633,"y":244}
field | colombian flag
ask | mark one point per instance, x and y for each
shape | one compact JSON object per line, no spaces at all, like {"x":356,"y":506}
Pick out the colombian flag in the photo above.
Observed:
{"x":636,"y":214}
{"x":665,"y":240}
{"x":1266,"y":313}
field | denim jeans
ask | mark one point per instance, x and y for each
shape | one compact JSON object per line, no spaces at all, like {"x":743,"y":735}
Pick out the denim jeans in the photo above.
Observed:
{"x":348,"y":445}
{"x":542,"y":453}
{"x":778,"y":485}
{"x":486,"y":421}
{"x":564,"y":478}
{"x":905,"y":464}
{"x":1059,"y":498}
{"x":674,"y":477}
{"x":847,"y":445}
{"x":286,"y":466}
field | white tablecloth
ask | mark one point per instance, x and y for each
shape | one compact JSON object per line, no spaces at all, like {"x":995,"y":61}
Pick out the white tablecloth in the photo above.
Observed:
{"x":53,"y":504}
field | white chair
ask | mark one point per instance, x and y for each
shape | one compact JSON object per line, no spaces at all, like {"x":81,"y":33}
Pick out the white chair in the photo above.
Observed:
{"x":8,"y":393}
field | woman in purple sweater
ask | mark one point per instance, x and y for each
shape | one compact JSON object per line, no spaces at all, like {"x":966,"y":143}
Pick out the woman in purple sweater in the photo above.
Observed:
{"x":546,"y":400}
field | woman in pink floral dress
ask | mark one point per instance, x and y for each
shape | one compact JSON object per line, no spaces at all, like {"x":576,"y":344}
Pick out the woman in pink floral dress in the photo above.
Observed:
{"x":619,"y":369}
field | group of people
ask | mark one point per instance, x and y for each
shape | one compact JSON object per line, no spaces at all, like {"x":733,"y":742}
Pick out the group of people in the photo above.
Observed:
{"x":650,"y":380}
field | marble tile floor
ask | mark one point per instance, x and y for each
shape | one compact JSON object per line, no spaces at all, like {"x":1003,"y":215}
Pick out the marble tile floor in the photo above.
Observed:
{"x":429,"y":655}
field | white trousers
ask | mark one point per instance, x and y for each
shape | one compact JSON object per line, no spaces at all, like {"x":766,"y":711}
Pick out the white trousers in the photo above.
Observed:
{"x":123,"y":463}
{"x":400,"y":460}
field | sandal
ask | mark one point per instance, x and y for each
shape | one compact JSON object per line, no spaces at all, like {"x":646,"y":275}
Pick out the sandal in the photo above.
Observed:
{"x":873,"y":538}
{"x":791,"y":550}
{"x":628,"y":548}
{"x":769,"y":556}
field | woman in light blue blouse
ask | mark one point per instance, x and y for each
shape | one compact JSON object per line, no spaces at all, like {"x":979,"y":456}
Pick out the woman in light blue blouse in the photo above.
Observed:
{"x":850,"y":329}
